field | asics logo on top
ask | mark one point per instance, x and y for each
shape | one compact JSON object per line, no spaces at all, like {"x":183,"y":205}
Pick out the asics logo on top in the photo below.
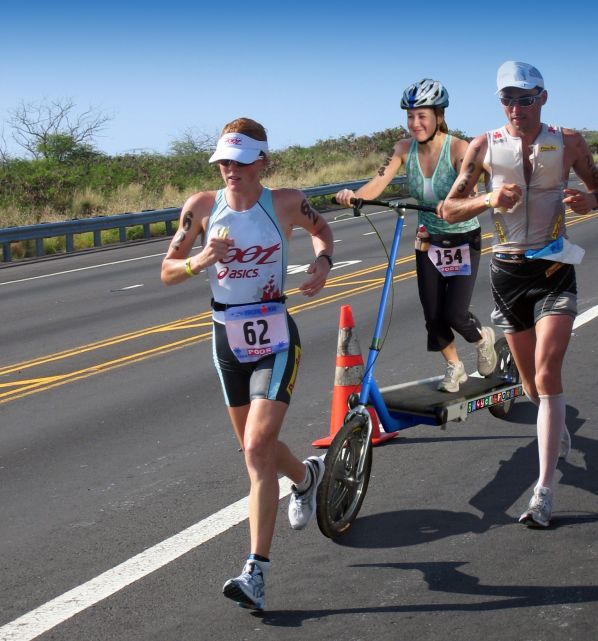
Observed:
{"x":255,"y":253}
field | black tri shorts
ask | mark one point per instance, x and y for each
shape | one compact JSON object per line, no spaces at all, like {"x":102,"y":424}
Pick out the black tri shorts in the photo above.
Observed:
{"x":525,"y":291}
{"x":272,"y":377}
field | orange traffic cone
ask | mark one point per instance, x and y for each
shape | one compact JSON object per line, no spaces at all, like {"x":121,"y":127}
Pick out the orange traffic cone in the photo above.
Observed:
{"x":347,"y":380}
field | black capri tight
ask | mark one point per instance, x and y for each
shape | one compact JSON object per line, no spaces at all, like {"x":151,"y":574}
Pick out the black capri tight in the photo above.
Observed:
{"x":445,"y":300}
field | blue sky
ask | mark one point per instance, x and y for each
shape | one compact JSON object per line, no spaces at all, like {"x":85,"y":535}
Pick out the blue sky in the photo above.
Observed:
{"x":307,"y":71}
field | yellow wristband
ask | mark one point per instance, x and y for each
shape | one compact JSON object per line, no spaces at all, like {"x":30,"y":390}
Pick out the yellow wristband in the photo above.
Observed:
{"x":188,"y":269}
{"x":487,"y":199}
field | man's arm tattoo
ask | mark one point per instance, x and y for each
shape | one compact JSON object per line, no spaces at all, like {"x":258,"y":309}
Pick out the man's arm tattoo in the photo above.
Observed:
{"x":463,"y":185}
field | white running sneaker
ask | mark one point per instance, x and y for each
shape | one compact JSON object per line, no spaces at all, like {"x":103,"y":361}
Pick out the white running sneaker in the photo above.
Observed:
{"x":565,"y":444}
{"x":486,"y":353}
{"x":248,"y":589}
{"x":455,"y":374}
{"x":539,"y":509}
{"x":302,"y":505}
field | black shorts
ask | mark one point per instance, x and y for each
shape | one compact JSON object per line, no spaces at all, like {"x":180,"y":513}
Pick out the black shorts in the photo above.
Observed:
{"x":526,"y":291}
{"x":272,"y":377}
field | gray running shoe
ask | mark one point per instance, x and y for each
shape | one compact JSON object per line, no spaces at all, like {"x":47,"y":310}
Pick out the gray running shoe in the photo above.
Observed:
{"x":486,"y":354}
{"x":302,"y":505}
{"x":565,"y":444}
{"x":248,"y":589}
{"x":455,"y":374}
{"x":539,"y":509}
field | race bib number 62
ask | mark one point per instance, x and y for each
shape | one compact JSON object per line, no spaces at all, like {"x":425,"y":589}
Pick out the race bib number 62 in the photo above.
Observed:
{"x":256,"y":331}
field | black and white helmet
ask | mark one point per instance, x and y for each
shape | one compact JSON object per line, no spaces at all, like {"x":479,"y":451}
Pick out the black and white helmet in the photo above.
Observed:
{"x":425,"y":93}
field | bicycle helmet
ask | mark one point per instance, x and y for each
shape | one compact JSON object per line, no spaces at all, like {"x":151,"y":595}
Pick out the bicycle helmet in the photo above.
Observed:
{"x":425,"y":93}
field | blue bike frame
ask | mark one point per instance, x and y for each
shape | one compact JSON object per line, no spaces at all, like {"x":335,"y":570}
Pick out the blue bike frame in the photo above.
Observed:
{"x":370,"y":392}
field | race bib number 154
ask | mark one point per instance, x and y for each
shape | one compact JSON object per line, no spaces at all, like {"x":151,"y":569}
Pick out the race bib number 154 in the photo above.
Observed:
{"x":451,"y":261}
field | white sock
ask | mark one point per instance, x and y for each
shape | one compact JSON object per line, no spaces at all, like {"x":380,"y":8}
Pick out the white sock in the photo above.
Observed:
{"x":307,"y":480}
{"x":551,"y":418}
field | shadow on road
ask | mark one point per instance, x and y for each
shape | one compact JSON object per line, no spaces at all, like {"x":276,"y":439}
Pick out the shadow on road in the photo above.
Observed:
{"x":446,"y":577}
{"x":514,"y":477}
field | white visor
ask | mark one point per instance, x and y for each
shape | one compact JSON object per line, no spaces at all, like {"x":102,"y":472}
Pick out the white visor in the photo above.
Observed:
{"x":239,"y":147}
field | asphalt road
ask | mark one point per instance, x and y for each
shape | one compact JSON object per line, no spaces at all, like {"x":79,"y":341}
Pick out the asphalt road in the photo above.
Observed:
{"x":114,"y":440}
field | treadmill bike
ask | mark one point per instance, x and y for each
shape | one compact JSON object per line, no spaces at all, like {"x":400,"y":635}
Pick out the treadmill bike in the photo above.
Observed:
{"x":348,"y":462}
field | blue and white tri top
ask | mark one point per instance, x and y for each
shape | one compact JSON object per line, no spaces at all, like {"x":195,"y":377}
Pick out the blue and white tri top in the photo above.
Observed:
{"x":255,"y":268}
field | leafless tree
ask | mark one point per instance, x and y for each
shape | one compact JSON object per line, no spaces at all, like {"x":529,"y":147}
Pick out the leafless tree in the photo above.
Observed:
{"x":4,"y":155}
{"x":192,"y":142}
{"x":52,"y":129}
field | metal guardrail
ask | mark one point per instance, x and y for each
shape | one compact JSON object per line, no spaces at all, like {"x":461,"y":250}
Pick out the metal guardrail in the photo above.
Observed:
{"x":70,"y":228}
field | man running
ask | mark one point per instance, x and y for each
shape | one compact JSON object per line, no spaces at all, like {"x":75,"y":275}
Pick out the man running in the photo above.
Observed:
{"x":532,"y":269}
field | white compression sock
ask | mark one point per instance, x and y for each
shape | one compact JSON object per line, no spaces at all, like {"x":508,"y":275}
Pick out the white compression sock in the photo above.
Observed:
{"x":551,"y":418}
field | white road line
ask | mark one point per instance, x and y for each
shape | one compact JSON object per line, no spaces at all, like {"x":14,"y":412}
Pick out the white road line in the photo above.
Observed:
{"x":585,"y":317}
{"x":67,"y":605}
{"x":81,"y":269}
{"x":124,"y":289}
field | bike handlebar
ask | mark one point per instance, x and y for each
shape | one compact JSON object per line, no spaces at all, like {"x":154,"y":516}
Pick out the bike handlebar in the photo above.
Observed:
{"x":358,"y":203}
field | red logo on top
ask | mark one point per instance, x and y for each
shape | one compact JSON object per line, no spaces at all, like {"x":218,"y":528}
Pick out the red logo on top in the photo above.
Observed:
{"x":497,"y":135}
{"x":254,"y":254}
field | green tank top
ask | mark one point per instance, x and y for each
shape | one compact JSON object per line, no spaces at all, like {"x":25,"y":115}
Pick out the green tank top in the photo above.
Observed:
{"x":442,"y":180}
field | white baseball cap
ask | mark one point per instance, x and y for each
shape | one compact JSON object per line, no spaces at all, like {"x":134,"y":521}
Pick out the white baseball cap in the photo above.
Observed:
{"x":238,"y":147}
{"x":518,"y":74}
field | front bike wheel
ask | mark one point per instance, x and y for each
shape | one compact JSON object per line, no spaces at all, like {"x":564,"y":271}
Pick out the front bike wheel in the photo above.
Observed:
{"x":505,"y":367}
{"x":342,"y":489}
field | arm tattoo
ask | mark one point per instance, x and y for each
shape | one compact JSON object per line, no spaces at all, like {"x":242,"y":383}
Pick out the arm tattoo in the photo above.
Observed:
{"x":185,"y":226}
{"x":382,"y":170}
{"x":308,"y":211}
{"x":463,"y":184}
{"x":187,"y":220}
{"x":179,"y":237}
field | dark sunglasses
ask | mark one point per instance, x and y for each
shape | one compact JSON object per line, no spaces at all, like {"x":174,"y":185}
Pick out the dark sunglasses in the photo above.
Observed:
{"x":227,"y":163}
{"x":522,"y":101}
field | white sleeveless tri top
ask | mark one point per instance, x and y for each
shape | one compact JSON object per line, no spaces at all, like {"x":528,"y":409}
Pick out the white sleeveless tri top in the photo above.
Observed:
{"x":254,"y":269}
{"x":539,"y":217}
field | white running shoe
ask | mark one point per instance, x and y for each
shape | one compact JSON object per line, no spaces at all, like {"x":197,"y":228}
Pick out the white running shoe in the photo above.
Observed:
{"x":302,"y":505}
{"x":455,"y":374}
{"x":248,"y":589}
{"x":486,"y":353}
{"x":539,"y":509}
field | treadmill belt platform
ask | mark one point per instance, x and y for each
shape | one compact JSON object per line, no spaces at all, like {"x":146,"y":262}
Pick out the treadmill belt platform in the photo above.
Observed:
{"x":422,"y":398}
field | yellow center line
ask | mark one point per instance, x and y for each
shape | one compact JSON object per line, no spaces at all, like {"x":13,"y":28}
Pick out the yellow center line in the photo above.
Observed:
{"x":115,"y":340}
{"x":36,"y":385}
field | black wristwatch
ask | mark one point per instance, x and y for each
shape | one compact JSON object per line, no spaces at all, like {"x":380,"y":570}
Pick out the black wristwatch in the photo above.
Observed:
{"x":327,"y":257}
